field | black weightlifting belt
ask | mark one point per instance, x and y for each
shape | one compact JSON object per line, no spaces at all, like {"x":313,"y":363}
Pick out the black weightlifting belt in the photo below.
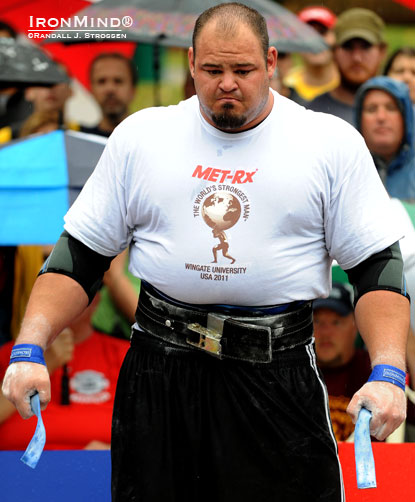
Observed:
{"x":249,"y":337}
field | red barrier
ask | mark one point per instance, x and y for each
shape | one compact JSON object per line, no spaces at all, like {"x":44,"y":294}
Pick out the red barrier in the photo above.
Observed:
{"x":395,"y":478}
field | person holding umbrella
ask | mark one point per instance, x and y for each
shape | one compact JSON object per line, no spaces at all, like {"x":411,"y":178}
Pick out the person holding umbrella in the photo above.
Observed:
{"x":13,"y":107}
{"x":219,"y":397}
{"x":21,"y":66}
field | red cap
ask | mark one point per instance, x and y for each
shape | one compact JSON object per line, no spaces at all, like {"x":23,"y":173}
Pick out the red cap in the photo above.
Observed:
{"x":317,"y":14}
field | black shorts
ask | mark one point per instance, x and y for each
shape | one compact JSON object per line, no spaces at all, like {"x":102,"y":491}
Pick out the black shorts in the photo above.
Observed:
{"x":188,"y":427}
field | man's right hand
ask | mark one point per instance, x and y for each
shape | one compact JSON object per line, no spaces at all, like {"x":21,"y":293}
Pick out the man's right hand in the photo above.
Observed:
{"x":21,"y":381}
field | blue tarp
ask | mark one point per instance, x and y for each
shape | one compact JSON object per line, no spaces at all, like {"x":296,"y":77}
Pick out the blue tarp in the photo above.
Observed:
{"x":40,"y":177}
{"x":33,"y":190}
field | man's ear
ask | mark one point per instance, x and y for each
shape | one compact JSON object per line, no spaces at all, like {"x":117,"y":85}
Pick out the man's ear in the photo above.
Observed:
{"x":190,"y":55}
{"x":271,"y":61}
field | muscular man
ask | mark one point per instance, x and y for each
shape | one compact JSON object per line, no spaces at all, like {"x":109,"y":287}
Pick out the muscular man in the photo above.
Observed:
{"x":219,"y":397}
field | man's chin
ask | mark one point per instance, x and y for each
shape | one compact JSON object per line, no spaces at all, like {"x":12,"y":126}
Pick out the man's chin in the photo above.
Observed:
{"x":228,"y":121}
{"x":114,"y":116}
{"x":353,"y":85}
{"x":114,"y":109}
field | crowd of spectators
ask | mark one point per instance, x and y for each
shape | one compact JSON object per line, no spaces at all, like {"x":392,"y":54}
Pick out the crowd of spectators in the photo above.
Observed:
{"x":344,"y":80}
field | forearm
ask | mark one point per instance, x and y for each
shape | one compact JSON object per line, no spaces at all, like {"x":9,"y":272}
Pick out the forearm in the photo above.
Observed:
{"x":55,"y":301}
{"x":382,"y":318}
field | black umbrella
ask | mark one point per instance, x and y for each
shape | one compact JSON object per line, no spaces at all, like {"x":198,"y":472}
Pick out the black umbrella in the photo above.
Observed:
{"x":23,"y":64}
{"x":170,"y":23}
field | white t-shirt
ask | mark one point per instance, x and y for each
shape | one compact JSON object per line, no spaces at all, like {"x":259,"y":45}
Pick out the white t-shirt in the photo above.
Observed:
{"x":275,"y":204}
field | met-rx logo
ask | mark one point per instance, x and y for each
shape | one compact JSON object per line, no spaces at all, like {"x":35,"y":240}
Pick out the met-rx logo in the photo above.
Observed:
{"x":222,"y":175}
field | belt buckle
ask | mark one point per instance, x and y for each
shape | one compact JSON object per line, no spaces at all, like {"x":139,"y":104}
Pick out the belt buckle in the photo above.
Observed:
{"x":210,"y":336}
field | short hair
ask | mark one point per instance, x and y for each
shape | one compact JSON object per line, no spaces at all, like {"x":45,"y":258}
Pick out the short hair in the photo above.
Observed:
{"x":120,"y":57}
{"x":228,"y":16}
{"x":403,"y":51}
{"x":7,"y":27}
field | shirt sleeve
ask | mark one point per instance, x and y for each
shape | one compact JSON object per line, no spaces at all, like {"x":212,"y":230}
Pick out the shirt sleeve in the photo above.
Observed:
{"x":358,"y":216}
{"x":98,"y":216}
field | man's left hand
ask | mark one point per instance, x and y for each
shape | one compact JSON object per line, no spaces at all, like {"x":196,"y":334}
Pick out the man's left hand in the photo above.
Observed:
{"x":386,"y":401}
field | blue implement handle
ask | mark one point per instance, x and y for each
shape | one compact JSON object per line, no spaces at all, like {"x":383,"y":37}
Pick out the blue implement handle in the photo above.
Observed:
{"x":35,"y":448}
{"x":365,"y":463}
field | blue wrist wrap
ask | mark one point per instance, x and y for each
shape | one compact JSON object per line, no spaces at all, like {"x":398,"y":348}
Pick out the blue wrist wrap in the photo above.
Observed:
{"x":27,"y":352}
{"x":387,"y":373}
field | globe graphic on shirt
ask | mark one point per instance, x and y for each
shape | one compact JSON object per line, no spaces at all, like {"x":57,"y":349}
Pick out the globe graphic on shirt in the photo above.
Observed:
{"x":221,"y":211}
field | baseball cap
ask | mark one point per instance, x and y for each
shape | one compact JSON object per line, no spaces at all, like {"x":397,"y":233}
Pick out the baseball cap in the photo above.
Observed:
{"x":318,"y":14}
{"x":359,"y":23}
{"x":340,"y":300}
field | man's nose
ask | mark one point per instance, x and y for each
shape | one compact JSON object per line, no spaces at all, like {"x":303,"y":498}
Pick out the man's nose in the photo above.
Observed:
{"x":322,"y":329}
{"x":357,"y":55}
{"x":110,"y":86}
{"x":228,"y":82}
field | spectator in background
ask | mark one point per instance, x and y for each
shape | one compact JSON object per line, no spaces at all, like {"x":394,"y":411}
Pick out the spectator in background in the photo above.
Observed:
{"x":92,"y":362}
{"x":113,"y":78}
{"x":401,"y":66}
{"x":359,"y":50}
{"x":318,"y":72}
{"x":385,"y":118}
{"x":44,"y":101}
{"x":345,"y":368}
{"x":14,"y":109}
{"x":278,"y":80}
